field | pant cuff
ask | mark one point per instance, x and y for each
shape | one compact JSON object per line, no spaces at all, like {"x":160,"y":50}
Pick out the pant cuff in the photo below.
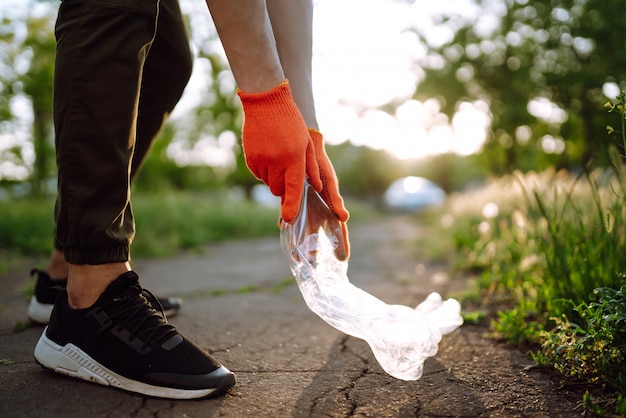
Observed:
{"x":89,"y":256}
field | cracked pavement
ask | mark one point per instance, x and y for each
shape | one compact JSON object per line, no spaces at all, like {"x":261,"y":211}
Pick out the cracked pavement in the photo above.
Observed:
{"x":240,"y":305}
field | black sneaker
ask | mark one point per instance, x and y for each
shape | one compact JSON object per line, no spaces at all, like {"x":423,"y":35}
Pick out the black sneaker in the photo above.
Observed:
{"x":122,"y":342}
{"x":47,"y":289}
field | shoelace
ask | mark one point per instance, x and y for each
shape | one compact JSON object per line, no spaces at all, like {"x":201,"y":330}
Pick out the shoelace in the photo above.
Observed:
{"x":154,"y":302}
{"x":139,"y":317}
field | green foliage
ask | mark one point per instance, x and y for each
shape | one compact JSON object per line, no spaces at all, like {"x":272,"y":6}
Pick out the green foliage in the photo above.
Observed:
{"x":160,"y":172}
{"x":32,"y":42}
{"x":594,"y":349}
{"x":364,"y":172}
{"x":554,"y":235}
{"x":582,"y":237}
{"x":167,"y":222}
{"x":518,"y":325}
{"x":620,"y":109}
{"x":175,"y":221}
{"x":450,"y":171}
{"x":26,"y":226}
{"x":562,"y":51}
{"x":590,"y":343}
{"x":38,"y":88}
{"x":549,"y":252}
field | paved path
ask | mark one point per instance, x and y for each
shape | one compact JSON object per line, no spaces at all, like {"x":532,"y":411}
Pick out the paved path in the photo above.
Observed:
{"x":242,"y":304}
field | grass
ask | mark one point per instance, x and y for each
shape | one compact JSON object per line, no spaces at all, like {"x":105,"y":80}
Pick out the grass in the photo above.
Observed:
{"x":594,"y":348}
{"x":166,"y":223}
{"x":171,"y":222}
{"x":547,"y":251}
{"x":26,"y":226}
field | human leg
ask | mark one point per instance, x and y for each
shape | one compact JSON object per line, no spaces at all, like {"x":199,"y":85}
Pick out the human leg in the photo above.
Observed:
{"x":103,"y":122}
{"x":166,"y":72}
{"x":97,"y":77}
{"x":100,"y":242}
{"x":102,"y":328}
{"x":167,"y":69}
{"x":47,"y":288}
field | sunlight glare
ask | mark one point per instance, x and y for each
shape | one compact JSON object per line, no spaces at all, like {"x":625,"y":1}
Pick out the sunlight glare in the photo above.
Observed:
{"x":611,"y":90}
{"x":544,"y":109}
{"x":356,"y":68}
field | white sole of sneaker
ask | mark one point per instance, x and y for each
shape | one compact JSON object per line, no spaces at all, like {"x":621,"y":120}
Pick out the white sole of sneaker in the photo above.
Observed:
{"x":39,"y":312}
{"x":71,"y":361}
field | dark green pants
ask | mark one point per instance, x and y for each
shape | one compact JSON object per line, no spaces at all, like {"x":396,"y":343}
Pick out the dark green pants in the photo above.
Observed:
{"x":121,"y":67}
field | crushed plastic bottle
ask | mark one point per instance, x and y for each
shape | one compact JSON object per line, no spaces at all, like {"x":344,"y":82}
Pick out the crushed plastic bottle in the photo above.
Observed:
{"x":400,"y":337}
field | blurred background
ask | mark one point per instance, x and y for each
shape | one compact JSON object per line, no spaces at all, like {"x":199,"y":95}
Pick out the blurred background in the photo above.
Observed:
{"x":454,"y":91}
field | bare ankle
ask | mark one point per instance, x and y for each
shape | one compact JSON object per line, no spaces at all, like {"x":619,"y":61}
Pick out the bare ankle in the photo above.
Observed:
{"x":57,"y":266}
{"x":87,"y":282}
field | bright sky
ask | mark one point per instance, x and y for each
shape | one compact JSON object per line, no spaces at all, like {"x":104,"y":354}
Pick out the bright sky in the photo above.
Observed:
{"x":364,"y":58}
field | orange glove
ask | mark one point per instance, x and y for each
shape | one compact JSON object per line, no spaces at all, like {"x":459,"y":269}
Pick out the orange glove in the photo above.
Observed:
{"x":277,"y":146}
{"x":330,"y":191}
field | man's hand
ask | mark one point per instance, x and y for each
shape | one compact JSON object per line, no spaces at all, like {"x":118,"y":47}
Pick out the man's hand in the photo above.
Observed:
{"x":278,"y":147}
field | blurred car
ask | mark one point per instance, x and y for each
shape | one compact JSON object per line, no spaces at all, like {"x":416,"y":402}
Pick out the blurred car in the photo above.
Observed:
{"x":411,"y":194}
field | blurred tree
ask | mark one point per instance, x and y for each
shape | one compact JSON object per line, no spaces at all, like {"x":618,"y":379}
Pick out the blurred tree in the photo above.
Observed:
{"x":27,"y":49}
{"x":160,"y":172}
{"x":364,"y":172}
{"x":180,"y":157}
{"x":541,"y":65}
{"x":225,"y":115}
{"x":212,"y":126}
{"x":9,"y":73}
{"x":450,"y":171}
{"x":38,"y":87}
